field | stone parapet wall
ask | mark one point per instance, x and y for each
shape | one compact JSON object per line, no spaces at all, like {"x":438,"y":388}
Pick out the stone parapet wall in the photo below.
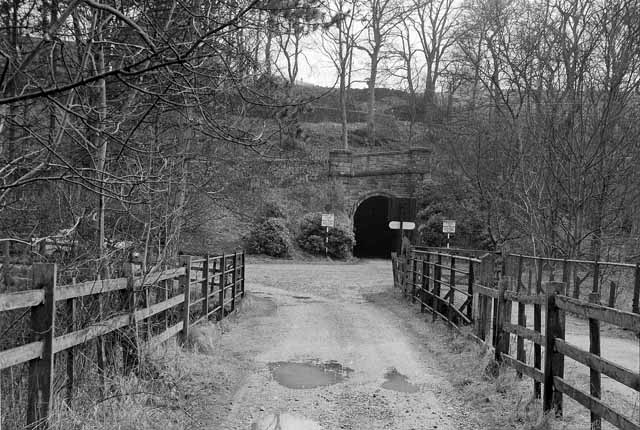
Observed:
{"x":346,"y":163}
{"x":390,"y":174}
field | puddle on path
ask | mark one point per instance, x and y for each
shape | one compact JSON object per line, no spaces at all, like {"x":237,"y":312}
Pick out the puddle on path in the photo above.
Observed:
{"x":309,"y":374}
{"x":284,"y":422}
{"x":396,"y":381}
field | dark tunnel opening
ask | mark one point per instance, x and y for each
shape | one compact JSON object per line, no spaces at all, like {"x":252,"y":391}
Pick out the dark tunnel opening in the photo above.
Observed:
{"x":374,"y":238}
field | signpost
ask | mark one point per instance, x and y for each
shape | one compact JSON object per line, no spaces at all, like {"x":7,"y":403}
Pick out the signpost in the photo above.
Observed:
{"x":449,"y":227}
{"x":328,"y":220}
{"x":401,"y":215}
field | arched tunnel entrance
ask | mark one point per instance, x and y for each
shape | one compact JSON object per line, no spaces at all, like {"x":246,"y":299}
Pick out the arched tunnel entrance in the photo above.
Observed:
{"x":370,"y":223}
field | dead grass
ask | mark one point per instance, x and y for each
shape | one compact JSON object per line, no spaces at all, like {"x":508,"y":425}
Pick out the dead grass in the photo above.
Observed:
{"x":158,"y":397}
{"x":506,"y":401}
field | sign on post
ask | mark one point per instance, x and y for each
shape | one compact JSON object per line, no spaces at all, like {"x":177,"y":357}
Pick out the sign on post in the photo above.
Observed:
{"x":402,"y":225}
{"x":328,"y":220}
{"x":449,"y":226}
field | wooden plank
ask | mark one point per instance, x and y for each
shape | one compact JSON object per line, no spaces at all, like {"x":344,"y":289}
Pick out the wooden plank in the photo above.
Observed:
{"x":145,"y":313}
{"x":490,"y":292}
{"x":82,"y":289}
{"x":165,"y":335}
{"x":20,"y":354}
{"x":41,"y":370}
{"x":553,"y":360}
{"x":86,"y":334}
{"x":523,"y":368}
{"x":595,"y":405}
{"x":524,"y":298}
{"x":615,"y":371}
{"x":586,"y":310}
{"x":21,"y":299}
{"x":532,"y":335}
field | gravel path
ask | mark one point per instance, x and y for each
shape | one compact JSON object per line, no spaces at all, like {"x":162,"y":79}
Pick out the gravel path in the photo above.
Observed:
{"x":323,"y":314}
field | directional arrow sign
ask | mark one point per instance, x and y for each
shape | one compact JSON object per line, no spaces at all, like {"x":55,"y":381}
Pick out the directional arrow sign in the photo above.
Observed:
{"x":406,"y":225}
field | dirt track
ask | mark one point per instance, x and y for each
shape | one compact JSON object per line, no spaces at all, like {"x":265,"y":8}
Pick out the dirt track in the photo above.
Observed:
{"x":330,"y":313}
{"x":349,"y":314}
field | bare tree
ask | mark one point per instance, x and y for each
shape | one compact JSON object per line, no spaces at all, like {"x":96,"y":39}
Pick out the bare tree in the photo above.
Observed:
{"x":338,"y":42}
{"x":380,"y":17}
{"x":434,"y":23}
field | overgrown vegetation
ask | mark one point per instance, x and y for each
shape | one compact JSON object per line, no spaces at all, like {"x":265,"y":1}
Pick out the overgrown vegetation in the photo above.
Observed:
{"x":312,"y":237}
{"x":270,"y":237}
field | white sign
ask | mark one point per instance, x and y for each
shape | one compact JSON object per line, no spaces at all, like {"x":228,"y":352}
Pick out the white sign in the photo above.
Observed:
{"x":406,"y":225}
{"x":448,"y":226}
{"x":327,"y":220}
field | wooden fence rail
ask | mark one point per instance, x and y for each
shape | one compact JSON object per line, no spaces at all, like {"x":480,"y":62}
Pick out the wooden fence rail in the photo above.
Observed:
{"x":208,"y":286}
{"x":488,"y":294}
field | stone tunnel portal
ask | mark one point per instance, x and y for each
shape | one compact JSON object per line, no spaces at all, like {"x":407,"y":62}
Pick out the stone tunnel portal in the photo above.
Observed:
{"x":374,"y":239}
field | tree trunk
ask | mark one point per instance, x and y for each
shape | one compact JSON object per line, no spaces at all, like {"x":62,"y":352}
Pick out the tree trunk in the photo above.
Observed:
{"x":343,"y":110}
{"x":371,"y":120}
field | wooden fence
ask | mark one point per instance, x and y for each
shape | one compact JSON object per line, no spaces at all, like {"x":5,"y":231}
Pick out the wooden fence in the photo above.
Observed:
{"x":206,"y":286}
{"x":472,"y":291}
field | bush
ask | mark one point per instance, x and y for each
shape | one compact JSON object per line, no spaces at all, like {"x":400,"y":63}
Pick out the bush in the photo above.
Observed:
{"x":312,"y":237}
{"x":270,"y":237}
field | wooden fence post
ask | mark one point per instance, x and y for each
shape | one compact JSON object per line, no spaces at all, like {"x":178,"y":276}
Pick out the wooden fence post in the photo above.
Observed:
{"x":242,"y":274}
{"x":205,"y":286}
{"x":522,"y":318}
{"x":72,"y":311}
{"x":43,"y":320}
{"x":185,"y":283}
{"x":233,"y":281}
{"x":223,"y":283}
{"x":130,"y":338}
{"x":595,"y":382}
{"x":635,"y":306}
{"x":414,"y":276}
{"x":553,"y":360}
{"x":612,"y":294}
{"x":537,"y":326}
{"x":425,"y":281}
{"x":501,"y":336}
{"x":452,"y":288}
{"x":470,"y":281}
{"x":437,"y":276}
{"x":487,"y":269}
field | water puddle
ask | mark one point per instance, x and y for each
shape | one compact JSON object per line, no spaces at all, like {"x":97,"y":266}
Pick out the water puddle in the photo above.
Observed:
{"x":284,"y":422}
{"x":310,"y":374}
{"x":396,"y":381}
